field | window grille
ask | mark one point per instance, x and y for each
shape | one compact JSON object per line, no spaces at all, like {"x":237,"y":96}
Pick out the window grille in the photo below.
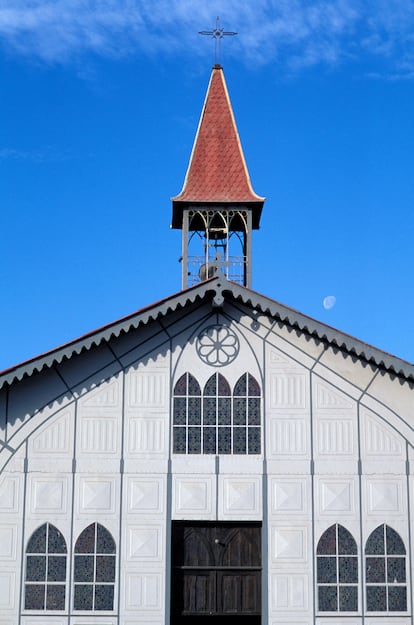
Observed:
{"x":45,"y":579}
{"x":337,"y":571}
{"x":94,"y":569}
{"x":216,"y":421}
{"x":385,"y":571}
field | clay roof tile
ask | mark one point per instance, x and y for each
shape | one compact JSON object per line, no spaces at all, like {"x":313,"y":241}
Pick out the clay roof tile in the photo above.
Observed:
{"x":217,"y":172}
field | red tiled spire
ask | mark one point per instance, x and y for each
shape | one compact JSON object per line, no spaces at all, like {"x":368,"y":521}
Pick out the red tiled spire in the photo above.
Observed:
{"x":217,"y":171}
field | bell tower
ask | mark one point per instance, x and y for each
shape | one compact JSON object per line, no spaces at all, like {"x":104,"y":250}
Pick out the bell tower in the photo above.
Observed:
{"x":217,"y":209}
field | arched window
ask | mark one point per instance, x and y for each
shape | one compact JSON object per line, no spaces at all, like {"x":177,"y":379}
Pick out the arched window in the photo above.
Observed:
{"x":246,"y":416}
{"x":187,"y":416}
{"x":215,"y":421}
{"x":385,"y":571}
{"x":45,"y":579}
{"x":94,"y":573}
{"x":217,"y":416}
{"x":337,"y":571}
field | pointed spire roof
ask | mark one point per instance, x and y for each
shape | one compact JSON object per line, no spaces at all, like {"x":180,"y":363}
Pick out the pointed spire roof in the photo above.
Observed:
{"x":217,"y":172}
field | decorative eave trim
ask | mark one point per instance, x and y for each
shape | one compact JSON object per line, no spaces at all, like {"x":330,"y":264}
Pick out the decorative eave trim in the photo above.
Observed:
{"x":324,"y":333}
{"x":104,"y":334}
{"x":216,"y":290}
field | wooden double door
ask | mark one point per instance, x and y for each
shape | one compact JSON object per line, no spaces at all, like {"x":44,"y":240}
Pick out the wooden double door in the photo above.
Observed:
{"x":216,"y":572}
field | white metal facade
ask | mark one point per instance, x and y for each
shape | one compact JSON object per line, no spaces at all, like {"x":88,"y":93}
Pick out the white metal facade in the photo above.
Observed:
{"x":89,"y":440}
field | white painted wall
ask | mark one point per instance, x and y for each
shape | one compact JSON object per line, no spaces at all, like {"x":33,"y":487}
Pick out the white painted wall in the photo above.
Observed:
{"x":91,"y":441}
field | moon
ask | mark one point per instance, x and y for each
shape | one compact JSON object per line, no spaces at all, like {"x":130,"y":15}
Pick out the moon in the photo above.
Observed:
{"x":329,"y":302}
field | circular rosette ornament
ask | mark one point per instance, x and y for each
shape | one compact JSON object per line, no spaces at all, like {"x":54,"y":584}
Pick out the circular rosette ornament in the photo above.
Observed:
{"x":217,"y":346}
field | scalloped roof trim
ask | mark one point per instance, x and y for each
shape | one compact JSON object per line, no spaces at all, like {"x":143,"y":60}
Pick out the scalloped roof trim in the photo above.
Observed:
{"x":214,"y":286}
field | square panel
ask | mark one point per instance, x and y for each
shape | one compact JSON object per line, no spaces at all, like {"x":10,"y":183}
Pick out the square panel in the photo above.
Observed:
{"x":145,"y":543}
{"x":289,"y":544}
{"x":98,"y":435}
{"x":143,"y":592}
{"x":146,"y":435}
{"x":335,"y":437}
{"x":48,"y":495}
{"x":289,"y":592}
{"x":145,"y":495}
{"x":288,"y":437}
{"x":7,"y":590}
{"x":9,"y":494}
{"x":384,"y":496}
{"x":148,"y":388}
{"x":96,"y":495}
{"x":193,"y":496}
{"x":288,"y":496}
{"x":288,"y":390}
{"x":8,"y":542}
{"x":240,"y":497}
{"x":336,"y":496}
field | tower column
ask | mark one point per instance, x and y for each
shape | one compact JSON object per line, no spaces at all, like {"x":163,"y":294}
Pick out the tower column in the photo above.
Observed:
{"x":184,"y":252}
{"x":248,"y":253}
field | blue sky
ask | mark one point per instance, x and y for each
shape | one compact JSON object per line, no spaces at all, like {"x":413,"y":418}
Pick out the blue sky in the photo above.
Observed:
{"x":99,"y":105}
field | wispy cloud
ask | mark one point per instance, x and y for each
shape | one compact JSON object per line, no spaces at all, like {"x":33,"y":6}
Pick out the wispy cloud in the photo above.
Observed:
{"x":294,"y":33}
{"x":46,"y":154}
{"x":11,"y":154}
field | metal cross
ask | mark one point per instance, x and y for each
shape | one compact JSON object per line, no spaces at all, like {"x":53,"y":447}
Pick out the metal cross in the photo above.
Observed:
{"x":217,"y":34}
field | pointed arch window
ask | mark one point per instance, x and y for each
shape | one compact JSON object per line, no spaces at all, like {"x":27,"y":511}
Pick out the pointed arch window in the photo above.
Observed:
{"x":187,"y":416}
{"x":45,"y":577}
{"x":337,"y":571}
{"x":246,"y":415}
{"x":385,"y":571}
{"x":94,"y":569}
{"x":216,"y":421}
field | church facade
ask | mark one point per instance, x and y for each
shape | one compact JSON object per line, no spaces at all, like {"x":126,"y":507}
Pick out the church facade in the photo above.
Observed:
{"x":216,"y":455}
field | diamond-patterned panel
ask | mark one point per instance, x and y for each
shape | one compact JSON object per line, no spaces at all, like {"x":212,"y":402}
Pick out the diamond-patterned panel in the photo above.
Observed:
{"x":49,"y":495}
{"x":145,"y":495}
{"x":192,"y":495}
{"x":96,"y":495}
{"x":241,"y":496}
{"x":384,"y":496}
{"x":336,"y":496}
{"x":289,"y":544}
{"x":288,"y":496}
{"x":144,"y":543}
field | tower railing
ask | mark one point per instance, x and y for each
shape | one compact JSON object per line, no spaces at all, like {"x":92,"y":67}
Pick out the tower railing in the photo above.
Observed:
{"x":200,"y":268}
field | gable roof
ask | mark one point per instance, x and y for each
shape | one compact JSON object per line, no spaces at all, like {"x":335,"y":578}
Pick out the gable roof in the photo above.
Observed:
{"x":217,"y":172}
{"x":215,"y":290}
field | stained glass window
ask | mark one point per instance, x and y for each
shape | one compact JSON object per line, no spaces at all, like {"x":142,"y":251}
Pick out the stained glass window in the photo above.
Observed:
{"x":45,"y":579}
{"x":337,"y":571}
{"x":215,"y":421}
{"x":94,"y":569}
{"x":385,"y":571}
{"x":246,"y":415}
